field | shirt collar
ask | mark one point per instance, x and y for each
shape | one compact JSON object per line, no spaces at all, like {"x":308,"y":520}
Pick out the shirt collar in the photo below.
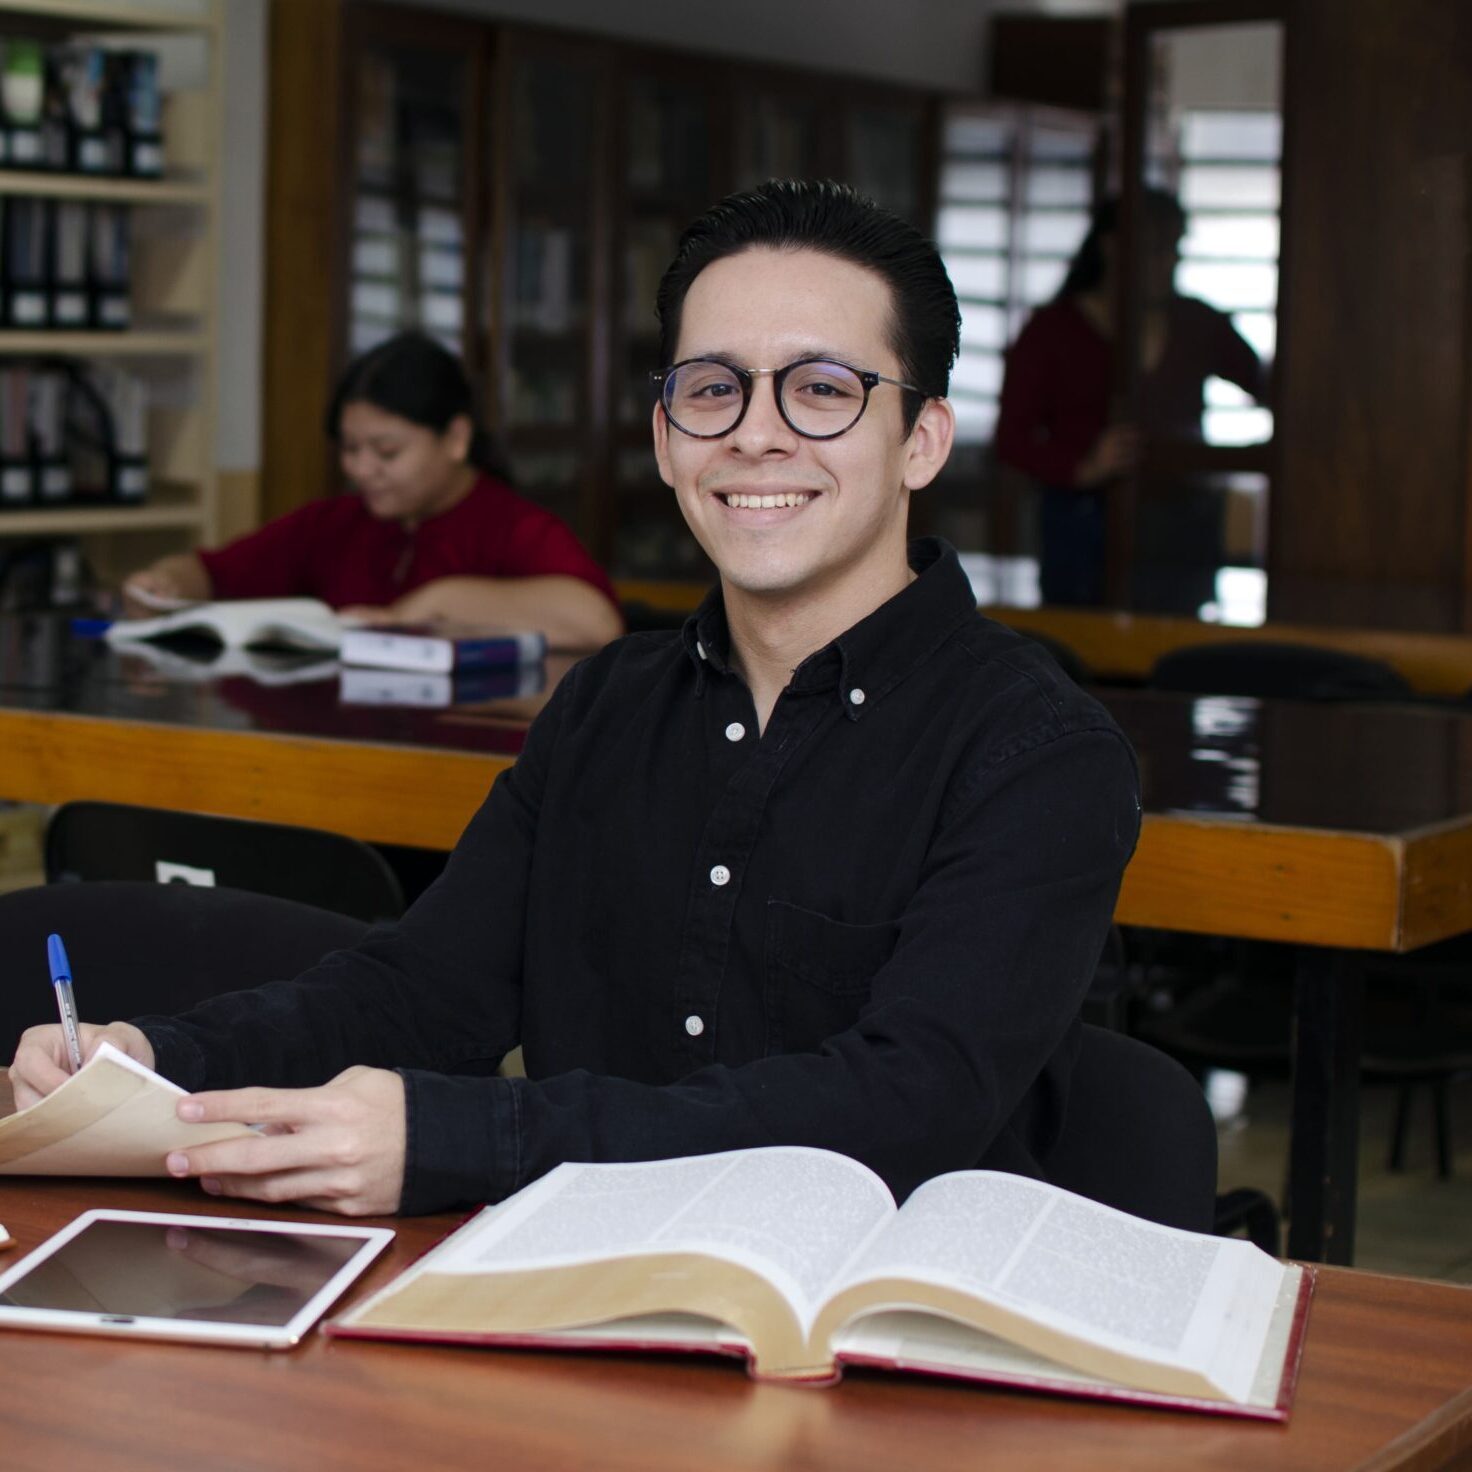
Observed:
{"x":867,"y":661}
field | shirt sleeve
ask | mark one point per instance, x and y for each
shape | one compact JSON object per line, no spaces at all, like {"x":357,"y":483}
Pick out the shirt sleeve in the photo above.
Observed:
{"x":272,"y":562}
{"x":439,"y":990}
{"x":1024,"y":438}
{"x":1228,"y":354}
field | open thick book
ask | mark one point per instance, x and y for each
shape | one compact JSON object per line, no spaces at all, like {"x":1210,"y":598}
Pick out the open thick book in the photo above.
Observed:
{"x":309,"y":624}
{"x":798,"y":1260}
{"x":290,"y":623}
{"x":112,"y":1118}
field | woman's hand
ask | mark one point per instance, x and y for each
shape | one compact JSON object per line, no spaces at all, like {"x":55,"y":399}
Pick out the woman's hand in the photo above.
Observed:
{"x":1116,"y":452}
{"x":170,"y":583}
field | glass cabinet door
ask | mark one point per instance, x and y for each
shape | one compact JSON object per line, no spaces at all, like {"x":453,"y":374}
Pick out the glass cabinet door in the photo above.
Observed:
{"x":671,"y":129}
{"x":889,"y":155}
{"x":545,"y":357}
{"x":409,"y":109}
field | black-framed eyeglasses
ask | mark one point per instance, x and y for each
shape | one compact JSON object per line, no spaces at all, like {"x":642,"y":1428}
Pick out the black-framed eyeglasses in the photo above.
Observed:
{"x":818,"y":398}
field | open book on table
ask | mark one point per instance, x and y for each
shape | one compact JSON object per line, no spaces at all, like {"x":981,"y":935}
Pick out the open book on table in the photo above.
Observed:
{"x":799,"y":1260}
{"x":114,"y":1117}
{"x":240,"y":623}
{"x":307,"y":623}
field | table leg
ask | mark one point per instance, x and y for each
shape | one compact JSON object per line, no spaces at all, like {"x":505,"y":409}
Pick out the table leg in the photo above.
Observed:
{"x":1328,"y":1009}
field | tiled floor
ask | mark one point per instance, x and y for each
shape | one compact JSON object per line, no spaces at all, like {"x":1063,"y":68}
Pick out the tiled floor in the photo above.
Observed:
{"x":1410,"y":1222}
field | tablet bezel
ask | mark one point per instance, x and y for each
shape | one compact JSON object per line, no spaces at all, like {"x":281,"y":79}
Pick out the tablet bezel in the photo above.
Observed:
{"x":371,"y":1242}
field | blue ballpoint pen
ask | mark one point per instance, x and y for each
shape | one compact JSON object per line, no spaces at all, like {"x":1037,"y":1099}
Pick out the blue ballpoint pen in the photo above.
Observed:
{"x":66,"y":1003}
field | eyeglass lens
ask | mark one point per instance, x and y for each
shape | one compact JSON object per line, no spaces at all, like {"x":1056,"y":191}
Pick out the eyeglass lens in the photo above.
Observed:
{"x":820,"y":399}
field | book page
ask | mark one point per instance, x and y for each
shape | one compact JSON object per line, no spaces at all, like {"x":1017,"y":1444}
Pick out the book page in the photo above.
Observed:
{"x":1148,"y":1290}
{"x":299,"y":622}
{"x":114,"y":1118}
{"x":791,"y":1214}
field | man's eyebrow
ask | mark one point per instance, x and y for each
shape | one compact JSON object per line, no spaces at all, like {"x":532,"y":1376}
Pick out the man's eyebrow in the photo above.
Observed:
{"x":797,"y":355}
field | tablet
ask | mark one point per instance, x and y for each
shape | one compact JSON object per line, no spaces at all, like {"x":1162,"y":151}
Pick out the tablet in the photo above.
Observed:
{"x":214,"y":1280}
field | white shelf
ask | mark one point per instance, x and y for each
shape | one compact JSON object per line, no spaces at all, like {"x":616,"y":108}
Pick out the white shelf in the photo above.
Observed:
{"x":124,"y":13}
{"x":104,"y":344}
{"x":116,"y":191}
{"x":153,"y":516}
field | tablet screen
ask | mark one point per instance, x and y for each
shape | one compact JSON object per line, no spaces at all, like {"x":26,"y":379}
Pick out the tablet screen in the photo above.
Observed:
{"x":188,"y":1271}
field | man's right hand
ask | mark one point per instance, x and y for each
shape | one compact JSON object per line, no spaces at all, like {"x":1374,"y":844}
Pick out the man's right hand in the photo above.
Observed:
{"x":41,"y":1063}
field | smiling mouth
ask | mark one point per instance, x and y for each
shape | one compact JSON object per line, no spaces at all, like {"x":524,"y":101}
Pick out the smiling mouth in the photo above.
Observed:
{"x":743,"y":502}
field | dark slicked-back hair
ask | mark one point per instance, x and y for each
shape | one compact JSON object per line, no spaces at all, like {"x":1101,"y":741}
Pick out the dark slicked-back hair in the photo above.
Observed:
{"x":420,"y":380}
{"x":793,"y":214}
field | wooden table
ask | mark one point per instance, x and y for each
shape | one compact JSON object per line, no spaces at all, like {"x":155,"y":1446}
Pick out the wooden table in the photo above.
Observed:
{"x":1386,"y":1383}
{"x":1338,"y":829}
{"x":1116,"y":645}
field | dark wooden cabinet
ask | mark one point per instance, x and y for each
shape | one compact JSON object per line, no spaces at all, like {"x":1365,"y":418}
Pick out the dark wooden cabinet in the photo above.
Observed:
{"x":519,"y":192}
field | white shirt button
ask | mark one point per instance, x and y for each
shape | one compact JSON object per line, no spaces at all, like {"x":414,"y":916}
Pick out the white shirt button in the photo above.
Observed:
{"x":720,"y":875}
{"x":700,"y":649}
{"x":735,"y":731}
{"x":694,"y":1025}
{"x":856,"y":696}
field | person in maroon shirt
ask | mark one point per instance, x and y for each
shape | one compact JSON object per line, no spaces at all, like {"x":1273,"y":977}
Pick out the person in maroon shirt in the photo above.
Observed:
{"x":431,"y":531}
{"x":1056,"y":422}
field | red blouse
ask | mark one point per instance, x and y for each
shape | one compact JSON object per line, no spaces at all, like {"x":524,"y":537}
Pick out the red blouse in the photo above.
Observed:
{"x":336,"y":551}
{"x":1059,"y":380}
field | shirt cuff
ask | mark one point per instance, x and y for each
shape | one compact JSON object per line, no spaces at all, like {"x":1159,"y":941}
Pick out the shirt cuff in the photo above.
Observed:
{"x":175,"y":1054}
{"x":462,"y":1140}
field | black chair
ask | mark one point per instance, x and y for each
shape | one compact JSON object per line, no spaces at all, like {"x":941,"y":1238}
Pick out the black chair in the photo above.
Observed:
{"x":1138,"y":1135}
{"x":1152,"y":1082}
{"x":1277,"y":670}
{"x":144,"y":947}
{"x":92,"y":841}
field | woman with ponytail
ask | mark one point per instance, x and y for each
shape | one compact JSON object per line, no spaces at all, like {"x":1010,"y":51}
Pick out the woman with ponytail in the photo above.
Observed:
{"x":431,"y":530}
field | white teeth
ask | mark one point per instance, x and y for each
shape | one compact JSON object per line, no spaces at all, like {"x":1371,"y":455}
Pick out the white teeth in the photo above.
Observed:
{"x":767,"y":503}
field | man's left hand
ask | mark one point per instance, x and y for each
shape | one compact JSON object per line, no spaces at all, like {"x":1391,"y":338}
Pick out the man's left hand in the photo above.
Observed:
{"x":335,"y":1148}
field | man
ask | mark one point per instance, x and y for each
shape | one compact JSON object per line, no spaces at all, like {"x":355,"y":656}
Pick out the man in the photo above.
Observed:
{"x":831,"y":866}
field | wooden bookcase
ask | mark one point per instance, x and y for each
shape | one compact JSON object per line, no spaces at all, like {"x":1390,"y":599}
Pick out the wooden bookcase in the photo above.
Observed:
{"x":171,"y":343}
{"x":580,"y":159}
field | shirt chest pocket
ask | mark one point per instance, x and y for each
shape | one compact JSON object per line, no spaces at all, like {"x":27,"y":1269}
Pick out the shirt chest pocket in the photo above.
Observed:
{"x":819,"y":973}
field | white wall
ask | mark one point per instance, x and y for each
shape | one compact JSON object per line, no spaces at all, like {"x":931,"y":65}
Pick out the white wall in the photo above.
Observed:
{"x":928,"y":43}
{"x":241,"y":288}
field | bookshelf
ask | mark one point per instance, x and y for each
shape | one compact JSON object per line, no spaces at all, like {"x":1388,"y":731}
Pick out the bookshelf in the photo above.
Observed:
{"x":582,"y":159}
{"x":170,"y":343}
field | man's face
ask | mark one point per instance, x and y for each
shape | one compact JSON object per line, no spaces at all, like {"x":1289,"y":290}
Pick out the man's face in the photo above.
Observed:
{"x":777,"y":513}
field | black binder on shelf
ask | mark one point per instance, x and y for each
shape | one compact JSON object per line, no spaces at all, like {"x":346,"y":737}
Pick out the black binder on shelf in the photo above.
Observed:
{"x":69,"y":305}
{"x":17,"y":475}
{"x":81,"y":74}
{"x":110,"y":307}
{"x":139,"y":105}
{"x":47,"y":417}
{"x":25,"y":300}
{"x":23,"y":99}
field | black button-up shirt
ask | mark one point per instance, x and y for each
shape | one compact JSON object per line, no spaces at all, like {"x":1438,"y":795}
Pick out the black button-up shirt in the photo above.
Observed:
{"x":867,"y":928}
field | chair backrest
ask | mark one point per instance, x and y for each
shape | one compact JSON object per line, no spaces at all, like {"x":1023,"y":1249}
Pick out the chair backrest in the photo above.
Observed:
{"x":93,"y":841}
{"x":1138,"y":1134}
{"x":139,"y":947}
{"x":1291,"y":671}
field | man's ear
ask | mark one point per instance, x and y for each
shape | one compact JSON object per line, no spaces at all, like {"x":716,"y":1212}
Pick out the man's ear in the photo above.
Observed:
{"x":929,"y":445}
{"x":662,"y":446}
